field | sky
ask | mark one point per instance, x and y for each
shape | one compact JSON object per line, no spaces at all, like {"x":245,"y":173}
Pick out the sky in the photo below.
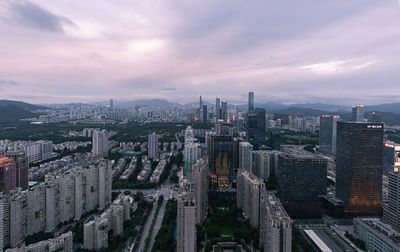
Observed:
{"x":335,"y":52}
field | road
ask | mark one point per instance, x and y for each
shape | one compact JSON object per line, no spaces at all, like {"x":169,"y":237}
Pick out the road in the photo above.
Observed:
{"x":147,"y":227}
{"x":157,"y":226}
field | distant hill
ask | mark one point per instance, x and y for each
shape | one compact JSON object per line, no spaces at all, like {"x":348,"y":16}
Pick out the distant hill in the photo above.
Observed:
{"x":13,"y":111}
{"x":389,"y":107}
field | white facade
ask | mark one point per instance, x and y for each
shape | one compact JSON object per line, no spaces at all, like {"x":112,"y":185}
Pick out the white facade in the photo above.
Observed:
{"x":36,"y":215}
{"x":100,"y":143}
{"x":245,"y":156}
{"x":153,"y":151}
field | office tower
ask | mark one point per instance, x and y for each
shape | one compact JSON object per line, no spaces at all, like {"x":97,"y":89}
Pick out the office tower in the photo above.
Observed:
{"x":153,"y":151}
{"x":17,"y":155}
{"x":36,"y":214}
{"x":265,"y":163}
{"x":111,"y":103}
{"x":186,"y":219}
{"x":391,"y":212}
{"x":191,"y":153}
{"x":95,"y":234}
{"x":8,"y":174}
{"x":248,"y":196}
{"x":375,"y":117}
{"x":100,"y":143}
{"x":218,"y":109}
{"x":256,"y":127}
{"x":359,"y":167}
{"x":221,"y":157}
{"x":327,"y":133}
{"x":205,"y":114}
{"x":358,"y":113}
{"x":224,"y":111}
{"x":245,"y":156}
{"x":275,"y":224}
{"x":301,"y":180}
{"x":200,"y":179}
{"x":251,"y":102}
{"x":201,"y":103}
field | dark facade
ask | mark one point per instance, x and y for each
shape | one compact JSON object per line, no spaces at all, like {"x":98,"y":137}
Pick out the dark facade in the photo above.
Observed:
{"x":388,"y":157}
{"x":375,"y":117}
{"x":359,"y":162}
{"x":256,"y":127}
{"x":205,"y":114}
{"x":221,"y":158}
{"x":251,"y":102}
{"x":301,"y":182}
{"x":326,"y":133}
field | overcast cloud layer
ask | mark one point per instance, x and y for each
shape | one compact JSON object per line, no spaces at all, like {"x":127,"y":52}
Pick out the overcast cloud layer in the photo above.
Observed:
{"x":338,"y":52}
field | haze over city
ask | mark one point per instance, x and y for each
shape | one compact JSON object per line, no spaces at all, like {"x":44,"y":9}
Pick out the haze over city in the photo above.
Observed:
{"x":336,"y":52}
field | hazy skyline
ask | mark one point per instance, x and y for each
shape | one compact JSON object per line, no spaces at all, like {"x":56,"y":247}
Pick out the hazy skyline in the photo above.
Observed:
{"x":335,"y":52}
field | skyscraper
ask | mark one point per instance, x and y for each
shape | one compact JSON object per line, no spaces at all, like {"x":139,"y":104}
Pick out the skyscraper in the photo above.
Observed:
{"x":327,"y":133}
{"x":375,"y":117}
{"x":217,"y":109}
{"x":111,"y":103}
{"x":359,"y":161}
{"x":17,"y":155}
{"x":153,"y":151}
{"x":256,"y":127}
{"x":205,"y":114}
{"x":358,"y":113}
{"x":251,"y":102}
{"x":301,"y":180}
{"x":201,"y":103}
{"x":8,"y":175}
{"x":186,"y":218}
{"x":200,"y":179}
{"x":224,"y":111}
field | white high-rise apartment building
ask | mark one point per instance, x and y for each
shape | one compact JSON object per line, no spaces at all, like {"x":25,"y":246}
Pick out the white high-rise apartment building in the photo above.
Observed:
{"x":245,"y":156}
{"x":153,"y":151}
{"x":100,"y":143}
{"x":186,"y":220}
{"x":17,"y":217}
{"x":200,"y":179}
{"x":38,"y":150}
{"x":266,"y":163}
{"x":95,"y":234}
{"x":275,"y":224}
{"x":36,"y":214}
{"x":248,"y":196}
{"x":191,"y":154}
{"x":52,"y":205}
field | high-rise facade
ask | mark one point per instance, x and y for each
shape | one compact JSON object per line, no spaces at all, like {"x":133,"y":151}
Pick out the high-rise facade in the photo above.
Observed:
{"x":186,"y":218}
{"x":301,"y":181}
{"x":100,"y":143}
{"x":359,"y":161}
{"x":200,"y":179}
{"x":256,"y":127}
{"x":153,"y":150}
{"x":217,"y":109}
{"x":275,"y":224}
{"x":358,"y":113}
{"x":327,"y":133}
{"x":191,"y":153}
{"x":224,"y":111}
{"x":204,"y":115}
{"x":8,"y":174}
{"x":265,"y":163}
{"x":251,"y":102}
{"x":248,"y":196}
{"x":17,"y":155}
{"x":245,"y":156}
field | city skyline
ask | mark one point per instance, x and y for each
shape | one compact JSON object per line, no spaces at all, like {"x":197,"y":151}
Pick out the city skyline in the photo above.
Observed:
{"x":58,"y":52}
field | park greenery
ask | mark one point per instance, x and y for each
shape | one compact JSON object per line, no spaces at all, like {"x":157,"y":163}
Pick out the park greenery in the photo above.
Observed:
{"x":298,"y":138}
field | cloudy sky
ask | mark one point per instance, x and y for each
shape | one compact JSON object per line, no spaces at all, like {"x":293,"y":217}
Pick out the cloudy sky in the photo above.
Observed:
{"x":337,"y":52}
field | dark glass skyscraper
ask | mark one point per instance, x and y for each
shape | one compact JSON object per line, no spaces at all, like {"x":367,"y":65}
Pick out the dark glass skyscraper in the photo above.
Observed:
{"x":17,"y":155}
{"x":218,"y":109}
{"x":301,"y":181}
{"x":256,"y":127}
{"x":359,"y":161}
{"x":251,"y":102}
{"x":224,"y":111}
